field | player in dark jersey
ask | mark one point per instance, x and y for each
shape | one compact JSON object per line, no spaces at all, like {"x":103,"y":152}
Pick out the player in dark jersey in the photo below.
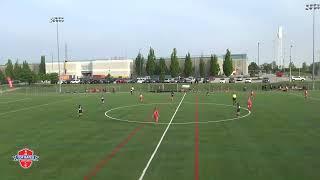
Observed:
{"x":102,"y":99}
{"x":80,"y":111}
{"x":234,"y":99}
{"x":172,"y":94}
{"x":238,"y":110}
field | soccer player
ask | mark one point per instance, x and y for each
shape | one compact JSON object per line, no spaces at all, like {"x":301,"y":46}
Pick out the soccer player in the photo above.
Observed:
{"x":131,"y":90}
{"x":234,"y":98}
{"x":141,"y":97}
{"x":156,"y":114}
{"x":102,"y":99}
{"x":249,"y":104}
{"x":238,"y":110}
{"x":80,"y":110}
{"x":252,"y":94}
{"x":306,"y":93}
{"x":172,"y":94}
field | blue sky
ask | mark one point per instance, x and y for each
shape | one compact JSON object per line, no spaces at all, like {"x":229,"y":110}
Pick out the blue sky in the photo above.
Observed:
{"x":102,"y":28}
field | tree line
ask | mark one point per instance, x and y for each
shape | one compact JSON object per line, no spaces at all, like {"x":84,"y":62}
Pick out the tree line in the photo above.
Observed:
{"x":23,"y":73}
{"x":273,"y":68}
{"x":154,"y":66}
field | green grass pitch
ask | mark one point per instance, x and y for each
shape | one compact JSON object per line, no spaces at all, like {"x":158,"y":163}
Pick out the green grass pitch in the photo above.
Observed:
{"x":279,"y":140}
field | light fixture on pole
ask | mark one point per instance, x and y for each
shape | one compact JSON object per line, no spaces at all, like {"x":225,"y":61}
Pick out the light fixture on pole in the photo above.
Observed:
{"x":58,"y":20}
{"x":313,"y":8}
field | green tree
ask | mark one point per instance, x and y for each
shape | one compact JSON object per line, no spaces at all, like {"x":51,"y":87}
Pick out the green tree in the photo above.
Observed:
{"x":305,"y":67}
{"x":17,"y":70}
{"x":174,"y":65}
{"x":2,"y":78}
{"x":162,"y":69}
{"x":188,"y":66}
{"x":34,"y":77}
{"x":151,"y":63}
{"x":42,"y":66}
{"x":267,"y":67}
{"x":139,"y":64}
{"x":316,"y":68}
{"x":53,"y":78}
{"x":26,"y":73}
{"x":227,"y":64}
{"x":274,"y":66}
{"x":253,"y":69}
{"x":214,"y":66}
{"x":293,"y":67}
{"x":9,"y":69}
{"x":202,"y":67}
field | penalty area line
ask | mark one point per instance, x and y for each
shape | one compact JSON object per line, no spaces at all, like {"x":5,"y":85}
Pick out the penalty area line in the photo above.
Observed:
{"x":160,"y":141}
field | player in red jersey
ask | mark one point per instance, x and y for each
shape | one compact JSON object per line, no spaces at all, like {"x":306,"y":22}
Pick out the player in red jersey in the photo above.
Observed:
{"x":249,"y":104}
{"x":156,"y":115}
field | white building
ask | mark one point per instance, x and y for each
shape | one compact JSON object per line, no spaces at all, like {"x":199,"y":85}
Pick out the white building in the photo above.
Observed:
{"x":92,"y":68}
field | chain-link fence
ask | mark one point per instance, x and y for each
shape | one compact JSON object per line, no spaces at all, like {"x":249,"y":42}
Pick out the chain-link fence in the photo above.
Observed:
{"x":38,"y":89}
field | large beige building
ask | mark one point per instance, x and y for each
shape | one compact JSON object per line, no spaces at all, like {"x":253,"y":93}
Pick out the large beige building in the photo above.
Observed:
{"x":92,"y":68}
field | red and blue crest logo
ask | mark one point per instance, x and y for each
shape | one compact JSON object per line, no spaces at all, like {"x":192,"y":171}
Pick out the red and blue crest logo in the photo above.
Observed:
{"x":25,"y":157}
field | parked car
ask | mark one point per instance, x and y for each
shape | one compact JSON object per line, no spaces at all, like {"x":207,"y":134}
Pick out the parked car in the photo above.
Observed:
{"x":190,"y":79}
{"x":206,"y":80}
{"x":84,"y":81}
{"x":149,"y":81}
{"x":94,"y":81}
{"x":199,"y":80}
{"x":141,"y":79}
{"x":248,"y":80}
{"x":239,"y":78}
{"x":232,"y":80}
{"x":120,"y":81}
{"x":297,"y":78}
{"x":167,"y":80}
{"x":279,"y":74}
{"x":132,"y":81}
{"x":181,"y":80}
{"x":75,"y":81}
{"x":222,"y":80}
{"x":266,"y":80}
{"x":211,"y":80}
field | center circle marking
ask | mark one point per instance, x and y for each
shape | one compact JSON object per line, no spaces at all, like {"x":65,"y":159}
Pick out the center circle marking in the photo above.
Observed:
{"x":175,"y":123}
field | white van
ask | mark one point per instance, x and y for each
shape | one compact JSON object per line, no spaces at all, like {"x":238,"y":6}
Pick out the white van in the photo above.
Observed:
{"x":141,"y":79}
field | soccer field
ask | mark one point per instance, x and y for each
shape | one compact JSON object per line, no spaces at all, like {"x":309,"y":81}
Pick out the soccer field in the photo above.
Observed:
{"x":197,"y":137}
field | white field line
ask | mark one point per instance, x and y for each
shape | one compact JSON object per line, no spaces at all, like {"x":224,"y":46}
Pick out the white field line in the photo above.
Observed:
{"x":30,"y":107}
{"x":175,"y":123}
{"x":15,"y":100}
{"x":8,"y":90}
{"x":159,"y":143}
{"x":317,"y":99}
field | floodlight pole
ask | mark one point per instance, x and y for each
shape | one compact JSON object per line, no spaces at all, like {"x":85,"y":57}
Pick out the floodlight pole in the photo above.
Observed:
{"x":290,"y":64}
{"x":58,"y":20}
{"x":58,"y":57}
{"x":313,"y":7}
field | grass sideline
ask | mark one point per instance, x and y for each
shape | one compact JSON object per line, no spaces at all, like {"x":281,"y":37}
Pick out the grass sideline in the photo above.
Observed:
{"x":279,"y":140}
